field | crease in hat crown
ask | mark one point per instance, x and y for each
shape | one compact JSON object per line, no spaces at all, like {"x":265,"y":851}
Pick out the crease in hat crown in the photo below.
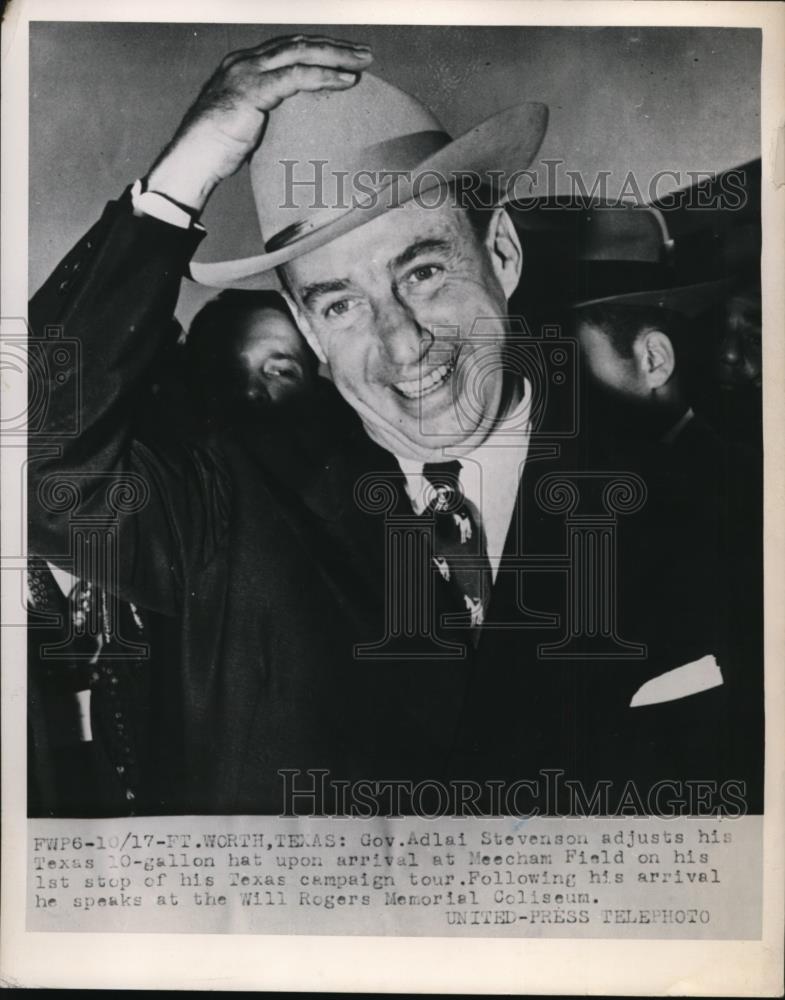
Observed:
{"x":329,"y":161}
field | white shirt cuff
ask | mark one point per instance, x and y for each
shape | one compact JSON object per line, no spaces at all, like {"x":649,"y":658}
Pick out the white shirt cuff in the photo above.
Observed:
{"x":158,"y":206}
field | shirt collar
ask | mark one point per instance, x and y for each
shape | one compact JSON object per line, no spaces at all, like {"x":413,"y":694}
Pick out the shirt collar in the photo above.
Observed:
{"x":489,"y":451}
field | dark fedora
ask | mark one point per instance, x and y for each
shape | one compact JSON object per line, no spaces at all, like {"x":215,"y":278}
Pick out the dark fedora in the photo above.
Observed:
{"x":586,"y":252}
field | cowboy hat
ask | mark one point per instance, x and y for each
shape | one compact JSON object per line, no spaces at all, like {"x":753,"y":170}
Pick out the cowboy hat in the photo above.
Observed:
{"x":333,"y":160}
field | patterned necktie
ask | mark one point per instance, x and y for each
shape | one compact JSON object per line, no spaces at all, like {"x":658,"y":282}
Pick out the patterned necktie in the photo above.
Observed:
{"x":459,"y":552}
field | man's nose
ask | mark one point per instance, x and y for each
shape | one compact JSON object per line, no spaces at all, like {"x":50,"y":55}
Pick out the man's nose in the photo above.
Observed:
{"x":405,"y":340}
{"x":730,"y":349}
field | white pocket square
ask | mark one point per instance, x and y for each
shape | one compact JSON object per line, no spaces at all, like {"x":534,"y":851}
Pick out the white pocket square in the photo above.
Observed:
{"x":700,"y":675}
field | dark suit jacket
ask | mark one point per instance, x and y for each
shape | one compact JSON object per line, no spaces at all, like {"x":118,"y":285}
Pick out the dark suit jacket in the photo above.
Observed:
{"x":72,"y":772}
{"x":271,"y":554}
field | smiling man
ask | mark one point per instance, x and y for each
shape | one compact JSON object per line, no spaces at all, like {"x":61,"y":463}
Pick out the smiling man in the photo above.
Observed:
{"x":392,"y":308}
{"x":379,"y":593}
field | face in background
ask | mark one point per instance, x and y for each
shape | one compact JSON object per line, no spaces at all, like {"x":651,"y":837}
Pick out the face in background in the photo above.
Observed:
{"x":738,"y":359}
{"x":637,"y":365}
{"x":392,"y":306}
{"x":245,"y":358}
{"x":274,"y":364}
{"x":632,"y":391}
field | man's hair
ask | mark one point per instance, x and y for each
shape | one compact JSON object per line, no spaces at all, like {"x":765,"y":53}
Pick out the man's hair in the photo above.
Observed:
{"x":479,"y":204}
{"x":216,"y":328}
{"x":284,"y":282}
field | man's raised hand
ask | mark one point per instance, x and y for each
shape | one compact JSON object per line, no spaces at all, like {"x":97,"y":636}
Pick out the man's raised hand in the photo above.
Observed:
{"x":224,"y":125}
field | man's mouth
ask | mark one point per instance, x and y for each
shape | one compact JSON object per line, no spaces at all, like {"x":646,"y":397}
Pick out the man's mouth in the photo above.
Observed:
{"x":424,"y":385}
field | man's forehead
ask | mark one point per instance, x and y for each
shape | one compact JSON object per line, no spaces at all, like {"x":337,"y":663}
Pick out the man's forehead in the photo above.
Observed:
{"x":381,"y":241}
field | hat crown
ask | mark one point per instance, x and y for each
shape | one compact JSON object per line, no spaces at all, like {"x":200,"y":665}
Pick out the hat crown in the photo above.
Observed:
{"x":333,"y":161}
{"x":597,"y":230}
{"x":319,"y":148}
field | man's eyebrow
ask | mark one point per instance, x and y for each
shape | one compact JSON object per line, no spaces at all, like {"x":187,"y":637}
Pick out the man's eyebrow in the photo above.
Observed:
{"x":419,"y":247}
{"x":310,"y":292}
{"x":282,"y":356}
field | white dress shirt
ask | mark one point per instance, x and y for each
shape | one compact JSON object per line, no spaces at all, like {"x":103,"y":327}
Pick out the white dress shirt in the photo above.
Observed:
{"x":489,"y":477}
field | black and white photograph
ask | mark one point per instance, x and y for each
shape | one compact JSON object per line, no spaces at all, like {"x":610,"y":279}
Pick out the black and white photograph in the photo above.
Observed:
{"x":392,"y":479}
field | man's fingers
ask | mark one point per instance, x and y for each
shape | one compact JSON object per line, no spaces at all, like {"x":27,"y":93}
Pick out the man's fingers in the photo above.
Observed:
{"x":312,"y":53}
{"x":224,"y":125}
{"x":278,"y":50}
{"x":273,"y":45}
{"x":289,"y":80}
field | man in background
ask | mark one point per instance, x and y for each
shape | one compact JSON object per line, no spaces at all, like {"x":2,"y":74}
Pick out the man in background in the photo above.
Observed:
{"x":244,"y":356}
{"x":702,"y":528}
{"x":732,"y":390}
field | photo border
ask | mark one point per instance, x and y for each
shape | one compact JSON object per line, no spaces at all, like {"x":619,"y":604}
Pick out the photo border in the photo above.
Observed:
{"x":719,"y":968}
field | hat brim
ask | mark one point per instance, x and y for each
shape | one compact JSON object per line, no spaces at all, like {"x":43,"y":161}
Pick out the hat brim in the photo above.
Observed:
{"x":505,"y":143}
{"x":689,"y":300}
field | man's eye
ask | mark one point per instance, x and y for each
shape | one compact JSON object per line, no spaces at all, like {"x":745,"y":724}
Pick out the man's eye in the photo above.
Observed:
{"x":283,"y":369}
{"x":339,"y":308}
{"x":423,"y":273}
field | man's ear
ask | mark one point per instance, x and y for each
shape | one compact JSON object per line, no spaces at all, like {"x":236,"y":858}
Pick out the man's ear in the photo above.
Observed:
{"x":304,"y":326}
{"x":656,"y":358}
{"x":505,"y":250}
